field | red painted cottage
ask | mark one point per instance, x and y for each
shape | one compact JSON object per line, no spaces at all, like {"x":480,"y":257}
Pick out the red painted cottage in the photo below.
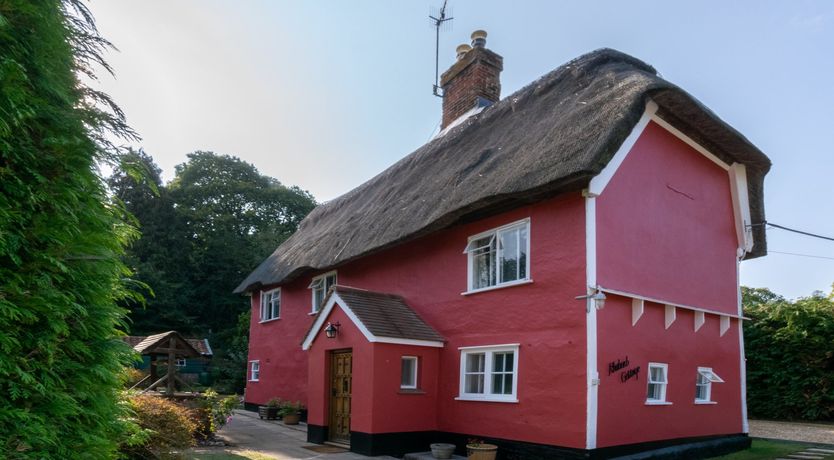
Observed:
{"x":555,"y":272}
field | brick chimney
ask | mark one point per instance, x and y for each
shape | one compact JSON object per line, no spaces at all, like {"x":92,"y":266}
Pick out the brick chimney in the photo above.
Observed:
{"x":474,"y":80}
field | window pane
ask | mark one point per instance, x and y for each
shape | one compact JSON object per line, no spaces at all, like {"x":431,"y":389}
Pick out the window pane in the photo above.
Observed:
{"x":498,"y":362}
{"x":483,"y":263}
{"x":497,"y":384}
{"x":408,"y":377}
{"x":474,"y":383}
{"x":475,"y":362}
{"x":508,"y":239}
{"x":701,"y":392}
{"x":318,"y":295}
{"x":329,"y":282}
{"x":522,"y":251}
{"x":657,"y":374}
{"x":508,"y":384}
{"x":508,"y":361}
{"x":654,"y":391}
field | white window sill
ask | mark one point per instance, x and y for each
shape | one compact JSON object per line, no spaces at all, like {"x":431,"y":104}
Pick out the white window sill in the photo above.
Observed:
{"x":498,"y":286}
{"x":469,"y":398}
{"x":705,"y":402}
{"x":269,"y":320}
{"x":313,"y":313}
{"x":658,"y":403}
{"x":254,"y":380}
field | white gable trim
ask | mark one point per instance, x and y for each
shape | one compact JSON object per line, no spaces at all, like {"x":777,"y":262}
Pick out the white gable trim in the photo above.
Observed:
{"x":602,"y":179}
{"x":666,"y":303}
{"x":591,"y":371}
{"x":325,"y":312}
{"x":741,"y":207}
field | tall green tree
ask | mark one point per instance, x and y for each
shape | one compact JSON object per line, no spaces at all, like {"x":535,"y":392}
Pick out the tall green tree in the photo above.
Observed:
{"x":789,"y":347}
{"x":160,"y":258}
{"x":235,"y":217}
{"x":61,"y":238}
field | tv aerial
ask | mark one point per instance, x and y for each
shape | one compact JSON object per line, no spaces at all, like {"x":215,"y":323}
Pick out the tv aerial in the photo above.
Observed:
{"x":439,"y":20}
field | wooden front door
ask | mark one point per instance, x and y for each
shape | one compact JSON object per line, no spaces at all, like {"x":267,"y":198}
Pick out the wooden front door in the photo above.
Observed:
{"x":340,"y":382}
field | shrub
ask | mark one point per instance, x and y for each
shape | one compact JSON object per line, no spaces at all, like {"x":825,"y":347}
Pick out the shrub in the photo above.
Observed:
{"x":212,"y":411}
{"x":790,"y":355}
{"x":61,"y":239}
{"x":132,"y":376}
{"x":167,"y":425}
{"x":291,"y":408}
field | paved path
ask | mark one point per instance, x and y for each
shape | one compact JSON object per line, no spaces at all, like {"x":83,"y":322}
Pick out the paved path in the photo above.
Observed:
{"x":273,"y":438}
{"x":817,"y":433}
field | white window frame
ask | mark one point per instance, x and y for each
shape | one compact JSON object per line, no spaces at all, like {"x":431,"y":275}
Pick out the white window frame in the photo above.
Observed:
{"x":664,"y":384}
{"x":314,"y":286}
{"x":711,"y":377}
{"x":493,"y":233}
{"x":254,"y":370}
{"x":269,"y":307}
{"x":181,"y":362}
{"x":413,"y":384}
{"x":489,"y":352}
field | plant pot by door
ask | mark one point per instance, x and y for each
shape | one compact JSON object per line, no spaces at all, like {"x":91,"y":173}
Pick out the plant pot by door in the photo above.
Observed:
{"x":291,"y":419}
{"x":481,"y":451}
{"x":267,"y":412}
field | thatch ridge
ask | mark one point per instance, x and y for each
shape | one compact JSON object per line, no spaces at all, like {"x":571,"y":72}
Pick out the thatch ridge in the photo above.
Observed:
{"x":549,"y":137}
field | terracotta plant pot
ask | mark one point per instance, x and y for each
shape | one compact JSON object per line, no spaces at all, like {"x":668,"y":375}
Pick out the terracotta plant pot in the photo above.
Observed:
{"x":441,"y":450}
{"x":291,"y":419}
{"x":270,"y":413}
{"x":481,"y":451}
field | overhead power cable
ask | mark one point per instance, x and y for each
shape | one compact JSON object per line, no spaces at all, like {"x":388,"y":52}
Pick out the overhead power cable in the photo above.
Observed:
{"x":771,"y":224}
{"x":799,"y":255}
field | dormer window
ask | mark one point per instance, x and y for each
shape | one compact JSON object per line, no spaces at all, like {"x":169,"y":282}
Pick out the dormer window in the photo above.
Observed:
{"x":271,"y":305}
{"x":320,"y":285}
{"x":499,"y":257}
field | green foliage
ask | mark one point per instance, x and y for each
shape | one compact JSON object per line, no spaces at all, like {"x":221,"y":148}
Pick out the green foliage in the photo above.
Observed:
{"x":201,"y":235}
{"x":213,"y":412}
{"x":789,"y":347}
{"x":61,"y":239}
{"x":165,"y":426}
{"x":291,"y":408}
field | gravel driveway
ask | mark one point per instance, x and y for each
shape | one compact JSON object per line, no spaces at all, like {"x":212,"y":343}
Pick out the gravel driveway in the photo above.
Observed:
{"x":817,"y":433}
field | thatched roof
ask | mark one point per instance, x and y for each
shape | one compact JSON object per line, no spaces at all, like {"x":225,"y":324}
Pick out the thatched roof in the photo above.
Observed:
{"x":550,"y":137}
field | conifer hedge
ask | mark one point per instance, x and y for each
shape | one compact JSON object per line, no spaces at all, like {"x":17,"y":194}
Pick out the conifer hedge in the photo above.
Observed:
{"x":61,"y":239}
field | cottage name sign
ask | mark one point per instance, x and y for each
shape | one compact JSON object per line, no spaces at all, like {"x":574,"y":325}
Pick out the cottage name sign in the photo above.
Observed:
{"x":627,"y":374}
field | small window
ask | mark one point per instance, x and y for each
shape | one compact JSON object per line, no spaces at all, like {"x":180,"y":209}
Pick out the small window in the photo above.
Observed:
{"x":271,"y":305}
{"x":657,"y":383}
{"x":319,"y":286}
{"x":181,"y":362}
{"x":703,"y":384}
{"x":254,"y":371}
{"x":408,"y":375}
{"x":489,"y":373}
{"x":499,"y":256}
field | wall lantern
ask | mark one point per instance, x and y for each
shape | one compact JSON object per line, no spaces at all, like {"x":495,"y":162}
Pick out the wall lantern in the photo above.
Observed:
{"x":331,"y":330}
{"x":598,"y":298}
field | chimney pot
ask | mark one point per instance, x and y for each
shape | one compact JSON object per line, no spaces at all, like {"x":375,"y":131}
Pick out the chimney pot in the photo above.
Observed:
{"x":479,"y":38}
{"x":461,"y":50}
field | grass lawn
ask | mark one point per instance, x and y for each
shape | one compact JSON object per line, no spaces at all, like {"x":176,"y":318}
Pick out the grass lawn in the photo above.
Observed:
{"x":228,"y":455}
{"x":764,"y":450}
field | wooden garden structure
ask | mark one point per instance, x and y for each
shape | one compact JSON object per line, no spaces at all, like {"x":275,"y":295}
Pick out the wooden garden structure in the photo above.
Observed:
{"x":167,"y":346}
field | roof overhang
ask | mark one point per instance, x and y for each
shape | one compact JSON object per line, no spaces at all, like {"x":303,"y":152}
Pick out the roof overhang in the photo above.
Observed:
{"x":324,"y":313}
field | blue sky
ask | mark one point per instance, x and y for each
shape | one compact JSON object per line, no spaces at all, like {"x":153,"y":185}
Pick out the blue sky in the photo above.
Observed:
{"x":325,"y":94}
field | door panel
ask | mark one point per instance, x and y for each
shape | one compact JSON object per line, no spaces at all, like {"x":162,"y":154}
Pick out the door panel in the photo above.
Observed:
{"x":340,"y":388}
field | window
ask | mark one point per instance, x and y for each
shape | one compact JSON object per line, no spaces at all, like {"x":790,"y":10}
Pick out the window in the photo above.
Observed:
{"x":181,"y":363}
{"x":320,"y":285}
{"x":703,"y":384}
{"x":254,"y":371}
{"x":499,"y":256}
{"x":489,"y":373}
{"x":656,"y":393}
{"x":271,"y":305}
{"x":408,"y":376}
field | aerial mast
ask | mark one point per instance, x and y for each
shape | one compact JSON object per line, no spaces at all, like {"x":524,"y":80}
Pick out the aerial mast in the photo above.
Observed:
{"x":438,"y":19}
